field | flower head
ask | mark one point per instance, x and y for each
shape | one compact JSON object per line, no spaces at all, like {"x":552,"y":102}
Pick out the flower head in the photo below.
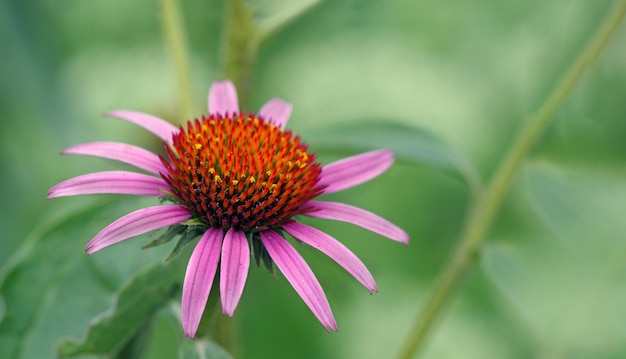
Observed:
{"x":239,"y":180}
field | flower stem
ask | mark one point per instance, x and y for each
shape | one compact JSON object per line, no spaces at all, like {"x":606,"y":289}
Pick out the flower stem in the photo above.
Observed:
{"x":488,"y":203}
{"x":175,"y":39}
{"x":220,"y":328}
{"x":239,"y":49}
{"x":240,"y":46}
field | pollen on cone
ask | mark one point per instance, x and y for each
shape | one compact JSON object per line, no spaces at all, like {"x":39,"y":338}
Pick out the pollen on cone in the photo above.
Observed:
{"x":241,"y":172}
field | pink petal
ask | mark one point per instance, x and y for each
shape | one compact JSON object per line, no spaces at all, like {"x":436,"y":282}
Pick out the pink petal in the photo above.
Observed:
{"x":199,"y":279}
{"x":223,"y":98}
{"x":122,"y":152}
{"x":335,"y":250}
{"x":277,"y":112}
{"x":159,"y":127}
{"x":355,"y":170}
{"x":136,"y":223}
{"x":234,"y":269}
{"x":116,"y":182}
{"x":300,"y":276}
{"x":360,"y":217}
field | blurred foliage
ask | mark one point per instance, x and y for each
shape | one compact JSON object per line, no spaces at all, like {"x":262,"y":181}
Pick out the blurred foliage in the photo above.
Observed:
{"x":135,"y":304}
{"x":551,"y":282}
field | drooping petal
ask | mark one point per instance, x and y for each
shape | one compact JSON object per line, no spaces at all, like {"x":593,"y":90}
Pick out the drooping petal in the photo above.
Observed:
{"x":355,"y":170}
{"x":199,"y":279}
{"x":300,"y":276}
{"x":234,"y":269}
{"x":112,"y":182}
{"x":159,"y":127}
{"x":277,"y":112}
{"x":133,"y":155}
{"x":359,"y":217}
{"x":138,"y":222}
{"x":335,"y":250}
{"x":223,"y":98}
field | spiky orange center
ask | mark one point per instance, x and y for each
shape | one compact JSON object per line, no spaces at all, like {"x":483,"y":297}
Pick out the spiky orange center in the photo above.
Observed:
{"x":241,"y":172}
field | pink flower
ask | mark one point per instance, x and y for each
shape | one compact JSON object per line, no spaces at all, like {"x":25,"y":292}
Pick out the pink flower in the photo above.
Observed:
{"x":241,"y":179}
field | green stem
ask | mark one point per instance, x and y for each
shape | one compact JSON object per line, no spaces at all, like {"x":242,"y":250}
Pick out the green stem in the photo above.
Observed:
{"x":225,"y":334}
{"x":211,"y":312}
{"x":175,"y":39}
{"x":240,"y":47}
{"x":220,"y":328}
{"x":487,"y":205}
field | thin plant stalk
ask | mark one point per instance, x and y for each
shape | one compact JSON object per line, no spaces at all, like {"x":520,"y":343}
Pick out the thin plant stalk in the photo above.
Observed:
{"x":173,"y":27}
{"x":239,"y":48}
{"x":221,"y":330}
{"x":487,"y":206}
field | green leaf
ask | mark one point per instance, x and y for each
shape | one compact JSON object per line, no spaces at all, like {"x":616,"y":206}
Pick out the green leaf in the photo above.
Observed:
{"x":51,"y":288}
{"x":408,"y":143}
{"x":136,"y":302}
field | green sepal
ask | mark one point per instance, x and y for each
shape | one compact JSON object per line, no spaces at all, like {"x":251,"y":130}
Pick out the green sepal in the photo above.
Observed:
{"x":259,"y":252}
{"x":189,"y":234}
{"x":166,"y":237}
{"x":136,"y":302}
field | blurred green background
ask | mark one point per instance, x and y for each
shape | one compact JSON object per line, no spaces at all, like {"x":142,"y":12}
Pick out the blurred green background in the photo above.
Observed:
{"x":551,"y":280}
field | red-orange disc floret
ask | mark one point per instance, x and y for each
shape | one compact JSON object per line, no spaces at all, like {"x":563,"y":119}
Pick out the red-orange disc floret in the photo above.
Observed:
{"x":241,"y":172}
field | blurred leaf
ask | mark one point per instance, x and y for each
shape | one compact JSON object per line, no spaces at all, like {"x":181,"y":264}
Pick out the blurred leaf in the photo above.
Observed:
{"x":30,"y":277}
{"x":569,"y":283}
{"x":136,"y":302}
{"x":202,"y":349}
{"x":408,"y":143}
{"x":51,"y":288}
